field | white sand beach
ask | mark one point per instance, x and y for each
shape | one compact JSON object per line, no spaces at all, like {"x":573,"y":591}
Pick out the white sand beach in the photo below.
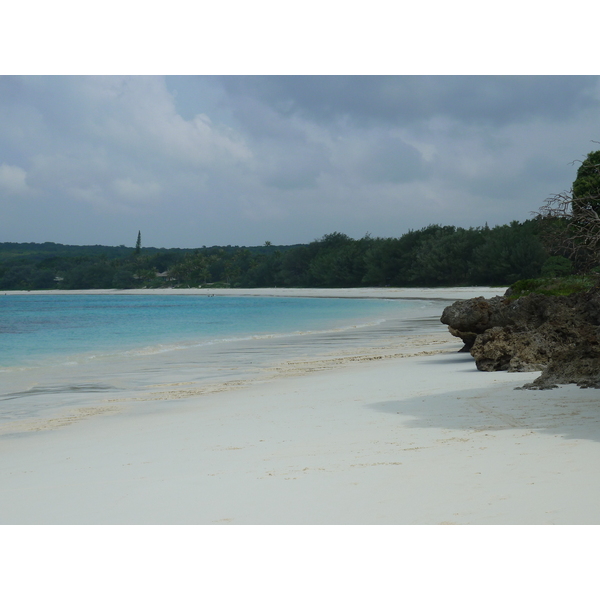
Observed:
{"x":456,"y":293}
{"x":411,"y":434}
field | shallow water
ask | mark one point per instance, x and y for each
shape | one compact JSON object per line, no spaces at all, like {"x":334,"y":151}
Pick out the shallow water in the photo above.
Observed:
{"x":64,"y":351}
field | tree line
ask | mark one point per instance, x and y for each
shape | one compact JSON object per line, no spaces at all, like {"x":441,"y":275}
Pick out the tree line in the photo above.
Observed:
{"x":435,"y":255}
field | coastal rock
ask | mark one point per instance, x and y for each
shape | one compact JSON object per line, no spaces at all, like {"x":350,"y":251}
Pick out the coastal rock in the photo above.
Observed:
{"x":470,"y":319}
{"x":557,"y":334}
{"x":579,"y":364}
{"x":504,"y":349}
{"x":466,"y":319}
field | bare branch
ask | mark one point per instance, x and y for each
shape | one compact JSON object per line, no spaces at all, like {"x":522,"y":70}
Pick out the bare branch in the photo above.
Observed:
{"x":571,"y":226}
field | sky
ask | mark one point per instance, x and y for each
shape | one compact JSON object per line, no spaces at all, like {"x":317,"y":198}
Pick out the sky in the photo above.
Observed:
{"x":195,"y":161}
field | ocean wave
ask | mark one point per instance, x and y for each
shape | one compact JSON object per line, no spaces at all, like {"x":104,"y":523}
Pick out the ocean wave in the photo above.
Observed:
{"x":162,"y":348}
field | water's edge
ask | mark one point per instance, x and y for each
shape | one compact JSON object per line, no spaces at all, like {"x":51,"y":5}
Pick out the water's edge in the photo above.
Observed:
{"x":40,"y":391}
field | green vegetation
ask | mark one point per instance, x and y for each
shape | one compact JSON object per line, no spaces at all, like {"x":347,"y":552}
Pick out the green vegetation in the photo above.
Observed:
{"x":570,"y":221}
{"x":569,"y":227}
{"x":551,"y":286}
{"x":433,"y":256}
{"x":586,"y":187}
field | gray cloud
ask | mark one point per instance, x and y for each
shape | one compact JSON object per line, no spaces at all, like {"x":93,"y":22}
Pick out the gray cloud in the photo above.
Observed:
{"x":403,"y":100}
{"x":237,"y":160}
{"x":390,"y":159}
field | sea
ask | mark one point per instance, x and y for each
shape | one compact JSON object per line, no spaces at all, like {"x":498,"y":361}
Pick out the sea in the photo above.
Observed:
{"x":63,"y":351}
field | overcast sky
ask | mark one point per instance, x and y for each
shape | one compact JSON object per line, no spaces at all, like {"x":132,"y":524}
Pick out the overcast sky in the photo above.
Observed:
{"x":217,"y":160}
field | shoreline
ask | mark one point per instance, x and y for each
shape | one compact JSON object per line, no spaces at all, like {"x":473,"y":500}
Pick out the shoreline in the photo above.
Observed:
{"x":52,"y":386}
{"x":457,"y":293}
{"x":409,"y":434}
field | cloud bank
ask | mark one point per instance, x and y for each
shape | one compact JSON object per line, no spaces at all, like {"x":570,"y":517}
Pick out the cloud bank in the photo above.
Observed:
{"x":194,"y":161}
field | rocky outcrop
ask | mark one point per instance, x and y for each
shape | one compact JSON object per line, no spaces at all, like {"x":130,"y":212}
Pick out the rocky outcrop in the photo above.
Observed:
{"x":504,"y":349}
{"x":581,"y":366}
{"x":467,"y":319}
{"x":557,"y":334}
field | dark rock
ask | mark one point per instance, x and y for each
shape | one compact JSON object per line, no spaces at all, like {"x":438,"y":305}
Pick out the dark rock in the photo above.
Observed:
{"x":503,"y":349}
{"x":557,"y":334}
{"x":466,"y":319}
{"x":579,"y":364}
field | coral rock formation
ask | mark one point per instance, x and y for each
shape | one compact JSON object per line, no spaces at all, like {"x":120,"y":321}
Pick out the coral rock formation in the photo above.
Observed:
{"x":557,"y":334}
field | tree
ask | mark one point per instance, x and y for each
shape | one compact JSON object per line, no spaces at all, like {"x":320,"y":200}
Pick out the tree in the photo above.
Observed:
{"x":192,"y":271}
{"x":571,"y":219}
{"x":138,"y":244}
{"x":123,"y":279}
{"x":508,"y":253}
{"x":586,"y":187}
{"x":557,"y":266}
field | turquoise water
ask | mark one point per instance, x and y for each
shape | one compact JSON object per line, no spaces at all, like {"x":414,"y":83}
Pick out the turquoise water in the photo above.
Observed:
{"x":38,"y":330}
{"x":60,"y":351}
